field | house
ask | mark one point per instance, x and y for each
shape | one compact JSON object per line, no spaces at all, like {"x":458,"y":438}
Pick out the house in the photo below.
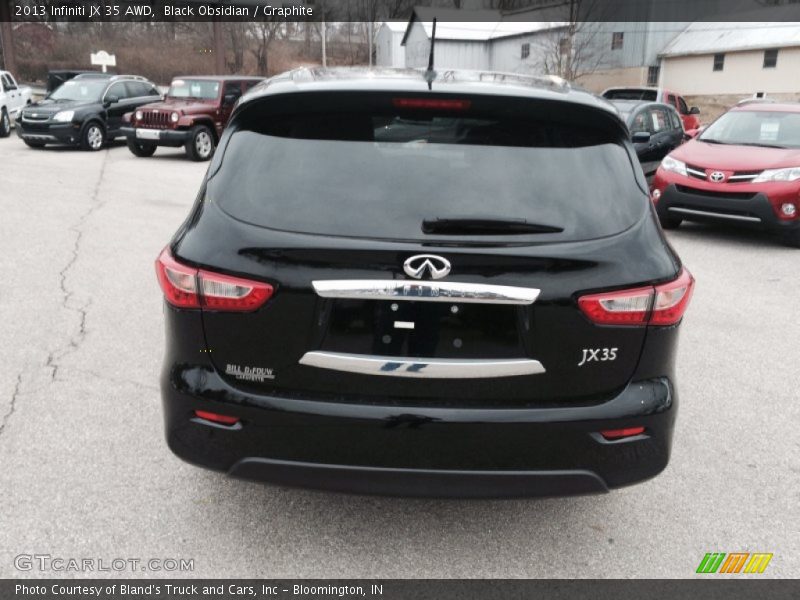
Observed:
{"x":480,"y":40}
{"x":389,"y":49}
{"x":733,"y":60}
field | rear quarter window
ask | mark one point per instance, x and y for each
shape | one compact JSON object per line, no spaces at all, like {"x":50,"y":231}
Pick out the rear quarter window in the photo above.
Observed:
{"x":381,"y":173}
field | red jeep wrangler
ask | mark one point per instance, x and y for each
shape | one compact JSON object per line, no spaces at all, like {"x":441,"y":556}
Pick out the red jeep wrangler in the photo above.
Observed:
{"x":193,"y":115}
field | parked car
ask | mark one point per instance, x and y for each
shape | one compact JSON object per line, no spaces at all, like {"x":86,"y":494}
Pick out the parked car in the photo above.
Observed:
{"x":744,"y":168}
{"x":193,"y":115}
{"x":85,"y":111}
{"x":57,"y":77}
{"x":653,"y":94}
{"x":656,"y":128}
{"x":493,"y":313}
{"x":13,"y":98}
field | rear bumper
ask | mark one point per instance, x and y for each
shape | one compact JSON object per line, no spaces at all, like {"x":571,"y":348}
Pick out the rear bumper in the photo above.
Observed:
{"x":413,"y":451}
{"x":166,"y":137}
{"x":693,"y":205}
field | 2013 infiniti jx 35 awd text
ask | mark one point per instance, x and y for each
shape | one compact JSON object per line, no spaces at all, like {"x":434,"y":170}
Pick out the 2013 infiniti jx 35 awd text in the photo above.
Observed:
{"x":455,"y":289}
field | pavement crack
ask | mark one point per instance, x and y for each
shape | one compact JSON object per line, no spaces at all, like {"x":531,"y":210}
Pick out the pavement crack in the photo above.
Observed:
{"x":68,"y":301}
{"x":12,"y":405}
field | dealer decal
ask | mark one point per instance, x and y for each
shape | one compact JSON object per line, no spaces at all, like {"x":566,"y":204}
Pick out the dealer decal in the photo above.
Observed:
{"x":250,"y":373}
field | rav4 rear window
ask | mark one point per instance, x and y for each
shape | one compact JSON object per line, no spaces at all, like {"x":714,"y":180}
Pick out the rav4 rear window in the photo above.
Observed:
{"x":383,"y":175}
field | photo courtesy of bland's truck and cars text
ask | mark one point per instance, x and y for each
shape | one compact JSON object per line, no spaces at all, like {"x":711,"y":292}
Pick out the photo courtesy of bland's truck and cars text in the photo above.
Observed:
{"x":399,"y":299}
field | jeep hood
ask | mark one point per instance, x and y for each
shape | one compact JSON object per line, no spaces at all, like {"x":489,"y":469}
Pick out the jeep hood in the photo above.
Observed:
{"x":186,"y":107}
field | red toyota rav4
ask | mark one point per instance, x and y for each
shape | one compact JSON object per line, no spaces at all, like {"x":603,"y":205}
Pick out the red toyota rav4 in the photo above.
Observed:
{"x":744,"y":168}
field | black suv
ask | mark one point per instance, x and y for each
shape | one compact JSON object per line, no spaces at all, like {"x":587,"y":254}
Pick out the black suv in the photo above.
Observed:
{"x":455,"y":291}
{"x":85,"y":111}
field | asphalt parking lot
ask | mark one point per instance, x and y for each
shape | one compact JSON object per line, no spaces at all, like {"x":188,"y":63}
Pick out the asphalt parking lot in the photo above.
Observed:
{"x":85,"y":471}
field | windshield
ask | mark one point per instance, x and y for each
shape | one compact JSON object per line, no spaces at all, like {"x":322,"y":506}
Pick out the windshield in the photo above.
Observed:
{"x":81,"y":90}
{"x":384,"y":176}
{"x":759,"y":128}
{"x":194,"y":88}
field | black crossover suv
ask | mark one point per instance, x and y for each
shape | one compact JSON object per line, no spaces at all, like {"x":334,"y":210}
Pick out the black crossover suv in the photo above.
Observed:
{"x":85,"y":111}
{"x":450,"y":290}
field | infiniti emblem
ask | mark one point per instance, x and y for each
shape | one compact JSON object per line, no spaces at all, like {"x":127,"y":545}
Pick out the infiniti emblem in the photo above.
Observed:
{"x":436,"y":266}
{"x":717,"y":176}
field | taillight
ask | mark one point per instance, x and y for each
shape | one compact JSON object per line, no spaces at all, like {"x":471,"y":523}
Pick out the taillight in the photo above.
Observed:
{"x":432,"y":103}
{"x":178,"y":282}
{"x":187,"y":287}
{"x":660,"y":305}
{"x":672,"y":299}
{"x":627,"y":307}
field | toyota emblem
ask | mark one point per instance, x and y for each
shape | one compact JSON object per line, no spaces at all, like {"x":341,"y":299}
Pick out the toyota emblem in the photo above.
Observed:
{"x":717,"y":176}
{"x":435,"y":266}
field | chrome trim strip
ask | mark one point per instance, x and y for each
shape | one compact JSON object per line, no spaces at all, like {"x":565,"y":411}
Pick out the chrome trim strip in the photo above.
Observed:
{"x":696,"y":173}
{"x":742,"y":177}
{"x":424,"y":291}
{"x":703,"y":213}
{"x":429,"y":368}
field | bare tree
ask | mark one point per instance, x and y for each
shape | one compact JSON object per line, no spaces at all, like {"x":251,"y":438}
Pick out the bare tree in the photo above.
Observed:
{"x":237,"y":34}
{"x":263,"y":32}
{"x":575,"y":50}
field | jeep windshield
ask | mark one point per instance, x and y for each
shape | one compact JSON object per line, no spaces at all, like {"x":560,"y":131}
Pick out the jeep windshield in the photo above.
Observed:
{"x":81,"y":90}
{"x":200,"y":89}
{"x":389,"y":175}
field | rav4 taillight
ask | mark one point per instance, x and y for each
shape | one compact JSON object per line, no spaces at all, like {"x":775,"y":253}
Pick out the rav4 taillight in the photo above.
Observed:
{"x":187,"y":287}
{"x":654,"y":305}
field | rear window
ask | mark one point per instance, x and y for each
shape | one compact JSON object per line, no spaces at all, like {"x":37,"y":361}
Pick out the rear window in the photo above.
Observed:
{"x":381,"y":175}
{"x":631,"y":94}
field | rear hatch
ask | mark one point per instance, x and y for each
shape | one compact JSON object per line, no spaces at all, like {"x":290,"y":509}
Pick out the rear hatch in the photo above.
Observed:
{"x":424,"y":252}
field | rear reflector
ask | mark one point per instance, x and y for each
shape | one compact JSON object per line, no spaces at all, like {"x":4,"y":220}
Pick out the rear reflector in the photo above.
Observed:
{"x":187,"y":287}
{"x":616,"y":434}
{"x":660,"y":305}
{"x":432,"y":103}
{"x":214,"y":417}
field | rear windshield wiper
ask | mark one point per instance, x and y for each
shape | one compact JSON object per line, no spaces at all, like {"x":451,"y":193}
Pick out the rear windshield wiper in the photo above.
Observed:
{"x":484,"y":226}
{"x":712,"y":141}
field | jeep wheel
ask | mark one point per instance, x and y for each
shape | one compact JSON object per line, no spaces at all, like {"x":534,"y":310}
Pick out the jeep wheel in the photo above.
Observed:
{"x":201,"y":144}
{"x":34,"y":143}
{"x":5,"y":124}
{"x":93,"y":137}
{"x":142,"y":149}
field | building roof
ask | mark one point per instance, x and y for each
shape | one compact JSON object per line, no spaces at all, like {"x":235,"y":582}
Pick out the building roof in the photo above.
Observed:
{"x":396,"y":26}
{"x":713,"y":37}
{"x":474,"y":25}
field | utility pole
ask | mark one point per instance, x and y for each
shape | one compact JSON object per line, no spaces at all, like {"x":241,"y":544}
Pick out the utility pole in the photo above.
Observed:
{"x":7,"y":37}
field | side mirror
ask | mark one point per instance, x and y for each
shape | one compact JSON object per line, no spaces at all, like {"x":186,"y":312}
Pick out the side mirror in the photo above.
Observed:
{"x":640,"y":137}
{"x":694,"y":111}
{"x":230,"y":99}
{"x":111,"y":100}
